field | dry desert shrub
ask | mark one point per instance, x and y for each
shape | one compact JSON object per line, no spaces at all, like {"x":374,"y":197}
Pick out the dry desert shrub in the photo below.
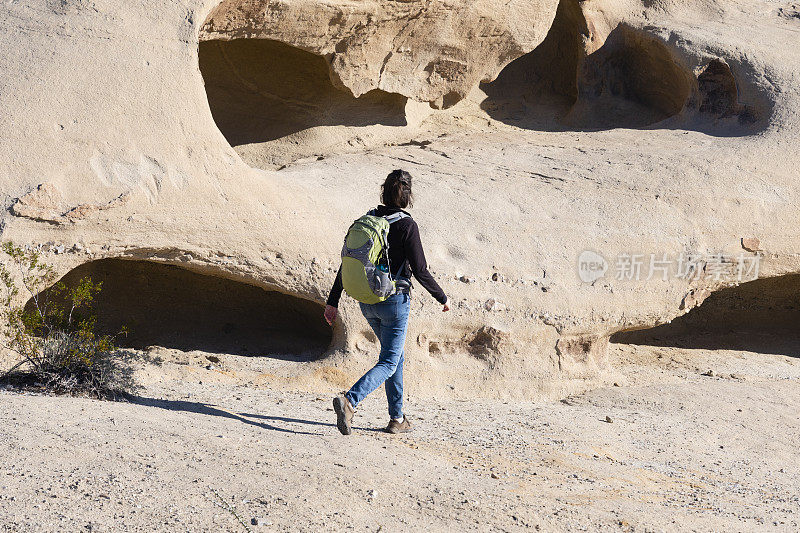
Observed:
{"x":53,"y":335}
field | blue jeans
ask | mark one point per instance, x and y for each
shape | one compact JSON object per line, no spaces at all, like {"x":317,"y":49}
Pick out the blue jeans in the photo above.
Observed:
{"x":388,"y":320}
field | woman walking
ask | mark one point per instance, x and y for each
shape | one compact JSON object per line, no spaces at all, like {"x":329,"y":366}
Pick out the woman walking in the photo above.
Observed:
{"x":389,"y":318}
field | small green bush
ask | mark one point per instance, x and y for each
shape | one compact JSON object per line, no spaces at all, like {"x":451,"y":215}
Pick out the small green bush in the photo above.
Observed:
{"x":54,"y":335}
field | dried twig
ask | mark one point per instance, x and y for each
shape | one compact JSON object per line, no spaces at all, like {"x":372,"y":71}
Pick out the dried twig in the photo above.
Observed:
{"x":223,"y":504}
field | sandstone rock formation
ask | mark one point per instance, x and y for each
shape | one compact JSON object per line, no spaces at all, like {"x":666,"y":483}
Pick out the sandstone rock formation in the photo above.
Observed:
{"x":235,"y":140}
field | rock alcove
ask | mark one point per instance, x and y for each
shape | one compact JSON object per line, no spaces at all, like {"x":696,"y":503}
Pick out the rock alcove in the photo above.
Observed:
{"x":173,"y":307}
{"x":632,"y":80}
{"x":261,"y":90}
{"x":759,"y":316}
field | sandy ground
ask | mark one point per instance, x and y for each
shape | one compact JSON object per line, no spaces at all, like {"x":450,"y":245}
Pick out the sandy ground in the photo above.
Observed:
{"x":683,"y":451}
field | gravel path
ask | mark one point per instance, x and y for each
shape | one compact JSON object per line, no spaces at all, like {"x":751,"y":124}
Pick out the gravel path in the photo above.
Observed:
{"x":688,"y":453}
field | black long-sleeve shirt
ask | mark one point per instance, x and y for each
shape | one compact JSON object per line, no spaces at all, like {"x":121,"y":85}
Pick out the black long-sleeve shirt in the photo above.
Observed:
{"x":406,"y":257}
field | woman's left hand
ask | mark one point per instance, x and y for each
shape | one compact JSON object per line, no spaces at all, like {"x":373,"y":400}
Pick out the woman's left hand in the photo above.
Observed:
{"x":330,"y":314}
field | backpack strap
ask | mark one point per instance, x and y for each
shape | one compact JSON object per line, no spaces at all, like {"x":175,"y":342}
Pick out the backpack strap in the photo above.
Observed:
{"x":391,"y":219}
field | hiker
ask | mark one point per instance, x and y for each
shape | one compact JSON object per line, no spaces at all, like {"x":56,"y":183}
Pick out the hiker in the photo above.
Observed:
{"x":382,"y":249}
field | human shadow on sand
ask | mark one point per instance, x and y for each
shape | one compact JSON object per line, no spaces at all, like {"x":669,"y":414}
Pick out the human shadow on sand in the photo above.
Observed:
{"x":310,"y":422}
{"x":211,"y":410}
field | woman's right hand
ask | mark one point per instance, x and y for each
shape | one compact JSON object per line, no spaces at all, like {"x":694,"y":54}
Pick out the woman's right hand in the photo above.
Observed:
{"x":330,"y":314}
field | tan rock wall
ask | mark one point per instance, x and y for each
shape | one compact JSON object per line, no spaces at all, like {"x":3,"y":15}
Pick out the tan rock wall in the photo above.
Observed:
{"x":108,"y":140}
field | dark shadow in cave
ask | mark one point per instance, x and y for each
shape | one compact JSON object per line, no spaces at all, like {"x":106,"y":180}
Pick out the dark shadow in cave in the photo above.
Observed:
{"x":633,"y":80}
{"x":260,"y":90}
{"x":536,"y":89}
{"x":717,"y":86}
{"x":170,"y":306}
{"x":757,"y":316}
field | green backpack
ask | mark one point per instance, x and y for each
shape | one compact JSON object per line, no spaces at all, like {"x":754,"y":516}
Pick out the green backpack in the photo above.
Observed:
{"x":365,"y":259}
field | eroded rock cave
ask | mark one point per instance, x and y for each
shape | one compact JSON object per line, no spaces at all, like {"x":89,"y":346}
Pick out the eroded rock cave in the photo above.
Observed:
{"x":260,"y":90}
{"x":717,"y":87}
{"x":632,"y":80}
{"x":541,"y":84}
{"x":170,"y":306}
{"x":759,"y":316}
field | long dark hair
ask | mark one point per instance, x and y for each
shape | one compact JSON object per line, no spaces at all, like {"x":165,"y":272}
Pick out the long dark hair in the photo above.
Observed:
{"x":396,"y":190}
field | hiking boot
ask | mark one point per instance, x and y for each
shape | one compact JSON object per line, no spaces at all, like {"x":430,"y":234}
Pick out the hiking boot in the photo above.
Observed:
{"x":398,"y":427}
{"x":344,"y":413}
